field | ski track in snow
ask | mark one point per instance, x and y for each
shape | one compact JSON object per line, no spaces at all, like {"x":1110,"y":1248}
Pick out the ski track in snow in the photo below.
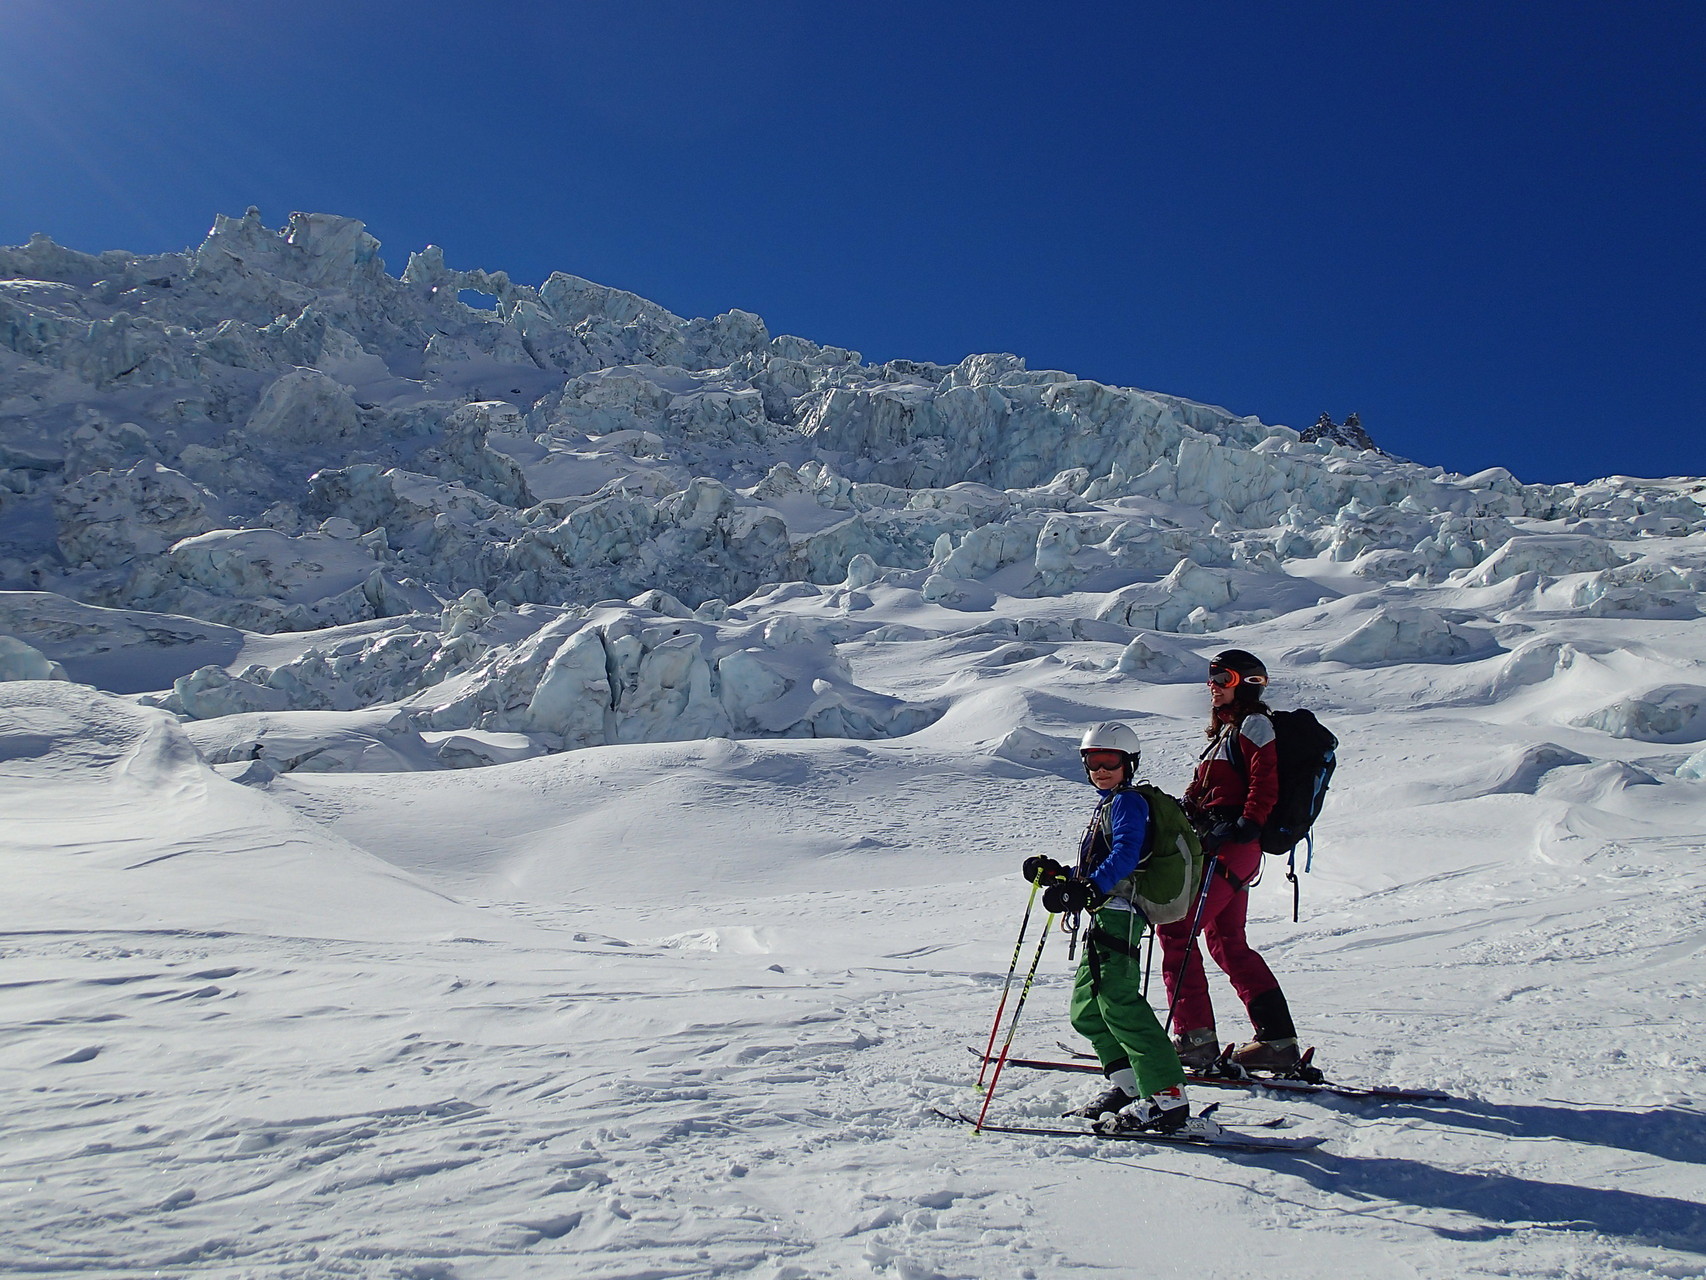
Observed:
{"x":697,"y":1001}
{"x":287,"y":1107}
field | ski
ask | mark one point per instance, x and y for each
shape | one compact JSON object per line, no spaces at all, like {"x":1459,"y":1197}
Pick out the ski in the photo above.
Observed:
{"x":1277,"y":1084}
{"x":1310,"y":1080}
{"x":1224,"y":1140}
{"x":1266,"y":1122}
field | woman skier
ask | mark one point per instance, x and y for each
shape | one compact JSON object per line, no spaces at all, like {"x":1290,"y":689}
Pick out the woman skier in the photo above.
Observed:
{"x":1145,"y":1081}
{"x":1234,"y":789}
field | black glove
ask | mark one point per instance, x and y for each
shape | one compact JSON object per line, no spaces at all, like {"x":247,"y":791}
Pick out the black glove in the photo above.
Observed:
{"x":1040,"y":870}
{"x":1065,"y":897}
{"x":1241,"y":831}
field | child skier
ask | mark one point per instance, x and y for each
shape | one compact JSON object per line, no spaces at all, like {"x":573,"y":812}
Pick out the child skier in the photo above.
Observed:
{"x":1145,"y":1081}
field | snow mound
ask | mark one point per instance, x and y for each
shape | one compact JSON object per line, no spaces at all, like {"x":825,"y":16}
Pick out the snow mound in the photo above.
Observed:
{"x":18,"y":661}
{"x":377,"y":741}
{"x":1149,"y":657}
{"x":476,"y":748}
{"x":1642,"y":590}
{"x":1185,"y":600}
{"x":264,"y":580}
{"x":1532,"y":663}
{"x":337,"y":673}
{"x":1398,"y":633}
{"x":1673,"y":713}
{"x":1552,"y":554}
{"x":1043,"y":751}
{"x":1517,"y":770}
{"x":1600,"y":785}
{"x":77,"y":767}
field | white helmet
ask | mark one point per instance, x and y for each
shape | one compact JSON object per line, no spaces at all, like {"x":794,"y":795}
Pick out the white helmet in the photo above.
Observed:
{"x":1111,"y":735}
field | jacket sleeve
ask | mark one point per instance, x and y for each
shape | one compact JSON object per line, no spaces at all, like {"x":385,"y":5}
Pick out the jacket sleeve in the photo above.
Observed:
{"x":1128,"y":820}
{"x":1261,"y":760}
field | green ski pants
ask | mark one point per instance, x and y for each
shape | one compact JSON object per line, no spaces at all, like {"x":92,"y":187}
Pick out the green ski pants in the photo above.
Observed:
{"x":1110,"y":1011}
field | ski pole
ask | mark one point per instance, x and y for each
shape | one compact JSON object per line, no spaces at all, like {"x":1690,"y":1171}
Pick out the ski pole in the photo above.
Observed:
{"x":1013,"y":1026}
{"x":1191,"y":946}
{"x":1013,"y":968}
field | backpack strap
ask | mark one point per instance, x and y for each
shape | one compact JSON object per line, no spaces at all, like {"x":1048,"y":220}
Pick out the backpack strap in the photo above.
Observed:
{"x":1102,"y":937}
{"x":1233,"y":730}
{"x":1087,"y":842}
{"x":1238,"y":885}
{"x":1214,"y":742}
{"x":1149,"y":828}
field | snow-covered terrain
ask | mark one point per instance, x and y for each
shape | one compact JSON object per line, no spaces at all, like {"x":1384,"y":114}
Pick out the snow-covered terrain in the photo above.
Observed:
{"x":538,"y":789}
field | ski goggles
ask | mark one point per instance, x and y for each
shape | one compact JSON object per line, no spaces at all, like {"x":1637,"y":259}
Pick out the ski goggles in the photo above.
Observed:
{"x":1224,"y":679}
{"x":1103,"y":760}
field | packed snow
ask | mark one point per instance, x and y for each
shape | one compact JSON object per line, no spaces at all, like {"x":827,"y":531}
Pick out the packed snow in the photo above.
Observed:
{"x":506,"y":792}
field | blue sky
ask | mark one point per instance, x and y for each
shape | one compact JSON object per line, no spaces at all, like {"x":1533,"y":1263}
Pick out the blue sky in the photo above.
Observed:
{"x":1477,"y":225}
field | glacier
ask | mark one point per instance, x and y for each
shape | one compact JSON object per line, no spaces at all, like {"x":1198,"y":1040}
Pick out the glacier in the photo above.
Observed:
{"x":270,"y":433}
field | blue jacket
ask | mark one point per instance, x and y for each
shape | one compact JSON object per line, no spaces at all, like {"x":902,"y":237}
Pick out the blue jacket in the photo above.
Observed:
{"x":1113,"y":844}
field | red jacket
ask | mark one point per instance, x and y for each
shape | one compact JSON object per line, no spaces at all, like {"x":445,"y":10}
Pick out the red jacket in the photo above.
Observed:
{"x":1247,"y":786}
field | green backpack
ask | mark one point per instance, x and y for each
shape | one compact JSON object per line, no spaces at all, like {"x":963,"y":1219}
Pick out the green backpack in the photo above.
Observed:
{"x":1166,"y":881}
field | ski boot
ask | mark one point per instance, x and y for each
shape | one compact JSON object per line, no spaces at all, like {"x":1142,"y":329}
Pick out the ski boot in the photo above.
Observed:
{"x":1197,"y":1049}
{"x":1279,"y":1058}
{"x":1109,"y":1101}
{"x":1165,"y":1112}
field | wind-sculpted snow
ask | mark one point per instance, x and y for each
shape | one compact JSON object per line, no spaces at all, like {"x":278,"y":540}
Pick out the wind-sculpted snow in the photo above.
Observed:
{"x":1397,"y":634}
{"x":1670,"y":713}
{"x":77,"y":766}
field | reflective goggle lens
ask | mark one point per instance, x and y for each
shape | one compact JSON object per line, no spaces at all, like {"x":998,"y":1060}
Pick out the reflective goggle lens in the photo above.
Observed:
{"x":1104,"y":760}
{"x":1231,"y":679}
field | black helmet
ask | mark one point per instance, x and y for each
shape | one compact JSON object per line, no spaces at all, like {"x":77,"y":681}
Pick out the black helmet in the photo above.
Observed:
{"x":1251,"y":677}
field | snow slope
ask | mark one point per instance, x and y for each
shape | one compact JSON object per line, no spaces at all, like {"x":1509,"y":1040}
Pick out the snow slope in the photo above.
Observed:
{"x":497,"y":794}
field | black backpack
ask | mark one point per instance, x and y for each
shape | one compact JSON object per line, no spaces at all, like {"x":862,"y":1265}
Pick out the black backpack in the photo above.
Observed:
{"x":1307,"y":756}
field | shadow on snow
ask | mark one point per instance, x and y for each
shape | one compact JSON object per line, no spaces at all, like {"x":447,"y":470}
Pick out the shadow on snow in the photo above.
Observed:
{"x":1509,"y":1203}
